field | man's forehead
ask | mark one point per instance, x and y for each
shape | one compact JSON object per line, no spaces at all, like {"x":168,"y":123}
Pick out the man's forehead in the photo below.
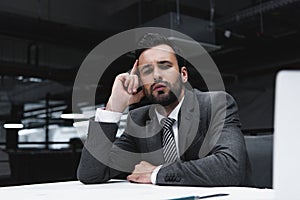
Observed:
{"x":161,"y":47}
{"x":157,"y":54}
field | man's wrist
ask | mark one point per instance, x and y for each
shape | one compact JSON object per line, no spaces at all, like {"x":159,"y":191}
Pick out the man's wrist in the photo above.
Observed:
{"x":154,"y":174}
{"x":103,"y":115}
{"x":115,"y":107}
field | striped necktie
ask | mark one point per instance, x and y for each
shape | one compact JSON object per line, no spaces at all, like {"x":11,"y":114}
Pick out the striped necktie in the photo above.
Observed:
{"x":168,"y":141}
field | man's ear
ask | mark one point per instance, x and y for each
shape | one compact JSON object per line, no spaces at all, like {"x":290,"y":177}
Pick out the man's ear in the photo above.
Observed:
{"x":184,"y":74}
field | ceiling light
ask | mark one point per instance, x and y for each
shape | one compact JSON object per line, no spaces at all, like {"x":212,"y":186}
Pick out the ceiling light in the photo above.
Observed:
{"x":227,"y":33}
{"x":13,"y":126}
{"x":72,"y":116}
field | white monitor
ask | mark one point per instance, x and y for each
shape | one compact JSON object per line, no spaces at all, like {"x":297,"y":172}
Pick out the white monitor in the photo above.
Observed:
{"x":286,"y":172}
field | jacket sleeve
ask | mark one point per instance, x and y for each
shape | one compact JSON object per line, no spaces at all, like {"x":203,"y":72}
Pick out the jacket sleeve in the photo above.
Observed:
{"x":104,"y":156}
{"x":226,"y":162}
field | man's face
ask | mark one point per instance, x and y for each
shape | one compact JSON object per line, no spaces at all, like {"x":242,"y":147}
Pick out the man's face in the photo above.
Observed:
{"x":160,"y":75}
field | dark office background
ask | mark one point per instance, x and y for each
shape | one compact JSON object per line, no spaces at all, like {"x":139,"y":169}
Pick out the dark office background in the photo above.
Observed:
{"x":43,"y":43}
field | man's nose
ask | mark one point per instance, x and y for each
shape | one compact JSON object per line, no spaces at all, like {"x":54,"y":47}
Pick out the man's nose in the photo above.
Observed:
{"x":156,"y":74}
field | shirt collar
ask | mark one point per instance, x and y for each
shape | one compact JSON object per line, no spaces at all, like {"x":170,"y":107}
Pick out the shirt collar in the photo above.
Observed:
{"x":173,"y":114}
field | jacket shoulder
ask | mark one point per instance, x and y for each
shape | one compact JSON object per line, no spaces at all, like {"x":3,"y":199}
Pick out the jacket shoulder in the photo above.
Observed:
{"x":212,"y":95}
{"x":140,"y":114}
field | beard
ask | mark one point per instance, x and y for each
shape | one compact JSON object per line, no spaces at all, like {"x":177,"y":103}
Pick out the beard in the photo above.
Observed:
{"x":165,"y":98}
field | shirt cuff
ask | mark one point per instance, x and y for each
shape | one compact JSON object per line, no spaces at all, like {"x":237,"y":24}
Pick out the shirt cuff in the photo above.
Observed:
{"x":107,"y":116}
{"x":154,"y":174}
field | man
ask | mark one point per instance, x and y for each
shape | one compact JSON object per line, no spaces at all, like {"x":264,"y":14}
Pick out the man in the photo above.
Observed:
{"x":185,"y":137}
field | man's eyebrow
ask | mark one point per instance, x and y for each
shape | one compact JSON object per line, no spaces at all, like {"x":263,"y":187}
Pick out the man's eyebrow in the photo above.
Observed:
{"x":164,"y":62}
{"x":159,"y":62}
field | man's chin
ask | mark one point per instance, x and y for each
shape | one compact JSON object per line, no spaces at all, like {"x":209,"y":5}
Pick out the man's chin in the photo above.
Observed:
{"x":163,"y":99}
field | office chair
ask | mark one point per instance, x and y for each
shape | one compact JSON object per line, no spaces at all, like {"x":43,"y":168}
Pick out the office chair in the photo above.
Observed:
{"x":260,"y":151}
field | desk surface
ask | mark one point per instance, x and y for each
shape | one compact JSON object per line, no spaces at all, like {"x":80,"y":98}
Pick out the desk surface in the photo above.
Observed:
{"x":117,"y":189}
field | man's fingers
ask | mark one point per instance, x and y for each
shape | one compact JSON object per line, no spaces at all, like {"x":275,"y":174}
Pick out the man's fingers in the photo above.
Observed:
{"x":132,"y":177}
{"x":131,"y":80}
{"x":135,"y":84}
{"x":126,"y":81}
{"x":123,"y":78}
{"x":131,"y":84}
{"x":134,"y":70}
{"x":139,"y":178}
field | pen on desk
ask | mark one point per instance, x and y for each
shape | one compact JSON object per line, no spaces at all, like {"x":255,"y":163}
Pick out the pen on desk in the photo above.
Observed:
{"x":212,"y":195}
{"x":201,"y":197}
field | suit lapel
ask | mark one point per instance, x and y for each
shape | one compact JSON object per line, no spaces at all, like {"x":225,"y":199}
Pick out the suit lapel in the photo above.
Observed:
{"x":188,"y":124}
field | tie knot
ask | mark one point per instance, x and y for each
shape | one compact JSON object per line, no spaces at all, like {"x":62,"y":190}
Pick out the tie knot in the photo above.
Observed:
{"x":167,"y":122}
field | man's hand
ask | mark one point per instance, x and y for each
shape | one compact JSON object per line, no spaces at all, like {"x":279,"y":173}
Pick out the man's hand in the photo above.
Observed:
{"x":124,"y":91}
{"x":142,"y":173}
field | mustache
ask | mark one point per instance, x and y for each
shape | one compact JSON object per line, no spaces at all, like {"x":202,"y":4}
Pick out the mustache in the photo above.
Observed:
{"x":166,"y":83}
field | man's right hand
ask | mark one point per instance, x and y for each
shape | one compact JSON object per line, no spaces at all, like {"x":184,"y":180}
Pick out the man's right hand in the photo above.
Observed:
{"x":124,"y":91}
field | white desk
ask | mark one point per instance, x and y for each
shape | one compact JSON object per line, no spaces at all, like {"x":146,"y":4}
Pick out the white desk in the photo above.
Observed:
{"x":117,"y":189}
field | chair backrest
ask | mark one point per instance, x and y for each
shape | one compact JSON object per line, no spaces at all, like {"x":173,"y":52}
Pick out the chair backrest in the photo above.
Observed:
{"x":260,"y":151}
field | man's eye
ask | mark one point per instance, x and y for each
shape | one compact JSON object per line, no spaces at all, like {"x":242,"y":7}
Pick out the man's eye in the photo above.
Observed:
{"x":147,"y":70}
{"x":165,"y":66}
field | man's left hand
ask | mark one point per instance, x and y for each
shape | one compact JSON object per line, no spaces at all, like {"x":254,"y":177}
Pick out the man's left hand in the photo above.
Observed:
{"x":142,"y":173}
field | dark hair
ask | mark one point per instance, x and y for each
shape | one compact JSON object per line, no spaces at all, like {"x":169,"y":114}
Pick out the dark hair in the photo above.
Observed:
{"x":150,"y":40}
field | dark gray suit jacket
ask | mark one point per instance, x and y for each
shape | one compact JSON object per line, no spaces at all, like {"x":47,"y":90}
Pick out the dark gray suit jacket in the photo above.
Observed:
{"x":211,"y":145}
